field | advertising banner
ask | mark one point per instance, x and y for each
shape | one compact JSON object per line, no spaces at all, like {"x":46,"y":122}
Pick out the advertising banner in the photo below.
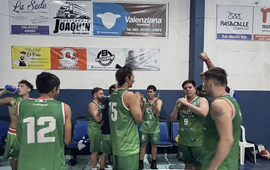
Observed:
{"x":261,"y":26}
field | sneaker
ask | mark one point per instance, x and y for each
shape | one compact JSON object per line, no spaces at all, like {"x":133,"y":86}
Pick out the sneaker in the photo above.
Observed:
{"x":153,"y":165}
{"x":141,"y":166}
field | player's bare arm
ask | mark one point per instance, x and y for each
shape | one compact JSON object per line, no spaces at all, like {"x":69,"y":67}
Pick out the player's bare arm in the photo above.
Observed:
{"x":68,"y":125}
{"x":174,"y":114}
{"x":143,"y":101}
{"x":6,"y":100}
{"x":202,"y":110}
{"x":93,"y":110}
{"x":157,"y":106}
{"x":132,"y":101}
{"x":222,"y":113}
{"x":204,"y":57}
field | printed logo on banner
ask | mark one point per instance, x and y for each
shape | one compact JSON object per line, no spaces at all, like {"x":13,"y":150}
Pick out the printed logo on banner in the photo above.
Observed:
{"x":29,"y":17}
{"x":105,"y":58}
{"x":234,"y":22}
{"x":68,"y":58}
{"x":261,"y":27}
{"x":126,"y":19}
{"x":109,"y":19}
{"x":71,"y":17}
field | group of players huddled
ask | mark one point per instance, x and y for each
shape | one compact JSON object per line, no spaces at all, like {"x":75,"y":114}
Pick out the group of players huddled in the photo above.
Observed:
{"x":209,"y":126}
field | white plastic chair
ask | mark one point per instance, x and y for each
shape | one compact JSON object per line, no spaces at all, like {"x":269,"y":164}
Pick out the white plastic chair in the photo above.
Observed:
{"x":244,"y":144}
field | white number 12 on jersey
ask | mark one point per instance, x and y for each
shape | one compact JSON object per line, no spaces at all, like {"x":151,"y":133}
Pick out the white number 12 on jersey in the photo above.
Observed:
{"x":41,"y":133}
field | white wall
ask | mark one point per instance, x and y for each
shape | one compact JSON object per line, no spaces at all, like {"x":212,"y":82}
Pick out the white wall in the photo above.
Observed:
{"x":246,"y":62}
{"x":173,"y":53}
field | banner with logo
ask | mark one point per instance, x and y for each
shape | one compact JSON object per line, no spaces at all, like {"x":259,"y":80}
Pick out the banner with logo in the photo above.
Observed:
{"x":234,"y":22}
{"x":127,"y":19}
{"x":30,"y":57}
{"x":261,"y":26}
{"x":71,"y":18}
{"x":67,"y":58}
{"x":137,"y":59}
{"x":29,"y":16}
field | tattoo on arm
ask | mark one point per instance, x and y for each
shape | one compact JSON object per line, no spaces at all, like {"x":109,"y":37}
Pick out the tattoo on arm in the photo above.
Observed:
{"x":217,"y":111}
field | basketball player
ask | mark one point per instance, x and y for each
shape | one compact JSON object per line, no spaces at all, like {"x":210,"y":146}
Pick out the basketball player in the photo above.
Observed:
{"x":200,"y":91}
{"x":204,"y":57}
{"x":44,"y":125}
{"x":124,"y":113}
{"x":11,"y":148}
{"x":191,"y":111}
{"x":150,"y":131}
{"x":106,"y":147}
{"x":94,"y":118}
{"x":222,"y":134}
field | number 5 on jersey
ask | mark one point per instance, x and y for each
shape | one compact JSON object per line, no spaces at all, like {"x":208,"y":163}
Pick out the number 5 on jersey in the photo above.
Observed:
{"x":113,"y":111}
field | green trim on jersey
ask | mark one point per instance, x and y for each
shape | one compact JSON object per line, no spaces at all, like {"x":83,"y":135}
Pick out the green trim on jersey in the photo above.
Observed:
{"x":40,"y":131}
{"x":92,"y":124}
{"x":211,"y":138}
{"x":190,"y":125}
{"x":16,"y":99}
{"x":124,"y":132}
{"x":150,"y":123}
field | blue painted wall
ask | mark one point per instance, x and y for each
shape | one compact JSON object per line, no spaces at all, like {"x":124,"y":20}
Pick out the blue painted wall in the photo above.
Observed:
{"x":254,"y":106}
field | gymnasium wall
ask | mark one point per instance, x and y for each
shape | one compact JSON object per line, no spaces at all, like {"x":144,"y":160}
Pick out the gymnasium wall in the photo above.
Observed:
{"x":247,"y":64}
{"x":245,"y":61}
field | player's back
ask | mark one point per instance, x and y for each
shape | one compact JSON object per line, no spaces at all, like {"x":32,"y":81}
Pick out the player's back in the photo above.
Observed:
{"x":40,"y":131}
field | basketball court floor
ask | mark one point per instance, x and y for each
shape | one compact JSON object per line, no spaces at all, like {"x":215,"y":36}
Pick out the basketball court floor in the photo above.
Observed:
{"x":172,"y":163}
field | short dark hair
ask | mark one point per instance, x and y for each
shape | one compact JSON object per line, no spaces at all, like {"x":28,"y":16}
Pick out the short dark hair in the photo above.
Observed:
{"x":189,"y":81}
{"x":46,"y":82}
{"x":217,"y":73}
{"x":199,"y":88}
{"x":25,"y":82}
{"x":96,"y":89}
{"x":122,"y":73}
{"x":112,"y":88}
{"x":152,"y":87}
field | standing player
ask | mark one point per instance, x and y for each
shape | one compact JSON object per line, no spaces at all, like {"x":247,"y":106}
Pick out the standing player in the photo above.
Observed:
{"x":106,"y":147}
{"x":191,"y":111}
{"x":150,"y":130}
{"x":94,"y":118}
{"x":11,"y":148}
{"x":222,"y":134}
{"x":124,"y":113}
{"x":204,"y":57}
{"x":44,"y":125}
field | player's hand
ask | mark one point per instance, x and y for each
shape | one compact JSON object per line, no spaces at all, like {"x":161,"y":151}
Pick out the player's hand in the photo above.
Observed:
{"x":203,"y":56}
{"x":137,"y":96}
{"x":183,"y":100}
{"x":178,"y":104}
{"x":143,"y":100}
{"x":156,"y":99}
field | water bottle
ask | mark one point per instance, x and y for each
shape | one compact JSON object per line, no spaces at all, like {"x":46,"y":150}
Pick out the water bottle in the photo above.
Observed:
{"x":11,"y":89}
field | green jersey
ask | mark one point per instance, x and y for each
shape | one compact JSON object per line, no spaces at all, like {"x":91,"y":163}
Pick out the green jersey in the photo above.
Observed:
{"x":150,"y":123}
{"x":40,"y":131}
{"x":211,"y":138}
{"x":190,"y":125}
{"x":16,"y":99}
{"x":124,"y":132}
{"x":91,"y":121}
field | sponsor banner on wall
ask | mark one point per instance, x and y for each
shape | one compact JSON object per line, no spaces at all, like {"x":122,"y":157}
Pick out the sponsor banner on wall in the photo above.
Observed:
{"x":261,"y":26}
{"x":29,"y":16}
{"x":71,"y":18}
{"x":127,"y":19}
{"x":137,"y":59}
{"x":30,"y":57}
{"x":67,"y":58}
{"x":234,"y":22}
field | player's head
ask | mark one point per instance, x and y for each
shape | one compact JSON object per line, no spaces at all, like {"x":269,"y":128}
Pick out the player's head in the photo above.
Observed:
{"x":151,"y":91}
{"x":124,"y":75}
{"x":189,"y":87}
{"x":200,"y":91}
{"x":112,"y":88}
{"x":97,"y":93}
{"x":48,"y":83}
{"x":214,"y":77}
{"x":24,"y":87}
{"x":130,"y":53}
